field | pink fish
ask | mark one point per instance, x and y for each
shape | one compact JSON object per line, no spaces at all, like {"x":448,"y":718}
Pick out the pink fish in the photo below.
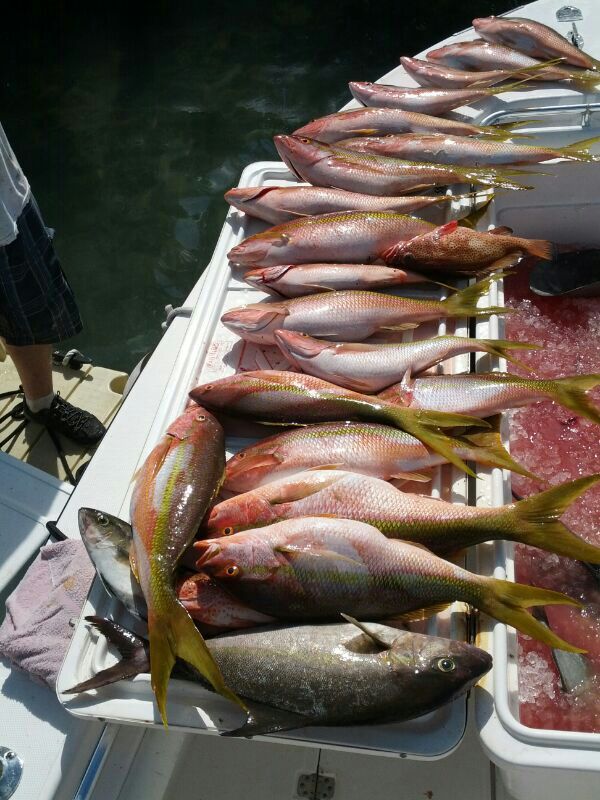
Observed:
{"x":427,"y":73}
{"x":371,"y":449}
{"x":366,"y":367}
{"x":464,"y":150}
{"x":426,"y":101}
{"x":351,"y":316}
{"x":331,"y":165}
{"x":312,"y":567}
{"x":277,"y":204}
{"x":352,"y":236}
{"x":488,"y":393}
{"x":533,"y":38}
{"x":440,"y":526}
{"x":381,"y":121}
{"x":298,"y":280}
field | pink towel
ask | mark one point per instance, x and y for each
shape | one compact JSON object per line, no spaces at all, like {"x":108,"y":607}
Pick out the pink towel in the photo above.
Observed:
{"x":38,"y":625}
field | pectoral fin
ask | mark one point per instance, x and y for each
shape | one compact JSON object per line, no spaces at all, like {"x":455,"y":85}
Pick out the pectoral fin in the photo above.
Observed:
{"x":263,"y":719}
{"x":296,"y":552}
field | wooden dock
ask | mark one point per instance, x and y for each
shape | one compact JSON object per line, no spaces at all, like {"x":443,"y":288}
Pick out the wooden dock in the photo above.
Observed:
{"x":95,"y":389}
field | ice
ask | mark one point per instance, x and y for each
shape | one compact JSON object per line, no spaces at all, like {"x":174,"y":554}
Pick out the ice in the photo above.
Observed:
{"x":556,"y":445}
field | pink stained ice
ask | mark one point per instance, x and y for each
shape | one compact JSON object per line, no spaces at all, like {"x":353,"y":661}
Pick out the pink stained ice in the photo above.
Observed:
{"x":557,"y":446}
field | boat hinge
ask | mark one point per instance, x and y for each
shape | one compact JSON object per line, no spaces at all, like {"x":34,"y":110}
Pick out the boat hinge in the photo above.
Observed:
{"x":316,"y":786}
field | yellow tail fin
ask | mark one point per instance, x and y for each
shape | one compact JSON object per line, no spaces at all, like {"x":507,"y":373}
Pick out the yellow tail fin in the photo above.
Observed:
{"x":536,"y":521}
{"x":570,"y":393}
{"x":506,"y":602}
{"x":173,"y":635}
{"x":580,"y":151}
{"x":464,"y":302}
{"x":416,"y":423}
{"x":501,"y":348}
{"x":485,"y":447}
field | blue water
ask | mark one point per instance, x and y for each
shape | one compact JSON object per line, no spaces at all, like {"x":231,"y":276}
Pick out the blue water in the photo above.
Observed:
{"x":132,"y":122}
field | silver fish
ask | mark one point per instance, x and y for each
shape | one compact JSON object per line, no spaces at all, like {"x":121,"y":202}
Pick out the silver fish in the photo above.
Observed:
{"x":329,"y":674}
{"x":277,"y":204}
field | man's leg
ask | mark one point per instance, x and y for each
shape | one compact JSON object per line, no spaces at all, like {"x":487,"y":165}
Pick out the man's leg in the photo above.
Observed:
{"x":34,"y":365}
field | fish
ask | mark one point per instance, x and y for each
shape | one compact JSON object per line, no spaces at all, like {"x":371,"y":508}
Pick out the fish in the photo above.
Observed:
{"x":288,"y":397}
{"x":366,"y":367}
{"x":464,"y":150}
{"x":442,"y":527}
{"x":426,"y":73}
{"x":277,"y":204}
{"x":478,"y":54}
{"x":322,"y":674}
{"x":108,"y":541}
{"x":298,"y":280}
{"x":491,"y":392}
{"x":168,"y":503}
{"x":462,"y":250}
{"x":331,"y":165}
{"x":350,"y":236}
{"x":352,"y":315}
{"x":381,"y":451}
{"x":433,"y":101}
{"x":533,"y":38}
{"x":372,"y":121}
{"x":310,"y":568}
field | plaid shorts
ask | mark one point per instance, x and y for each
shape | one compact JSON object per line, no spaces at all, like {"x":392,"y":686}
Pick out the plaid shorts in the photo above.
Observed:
{"x":37,"y":305}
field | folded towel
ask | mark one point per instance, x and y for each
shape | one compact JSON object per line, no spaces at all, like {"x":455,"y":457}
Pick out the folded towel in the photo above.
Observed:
{"x":38,"y":626}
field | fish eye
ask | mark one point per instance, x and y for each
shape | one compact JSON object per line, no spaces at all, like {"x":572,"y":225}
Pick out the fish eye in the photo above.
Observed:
{"x":208,"y":387}
{"x":201,"y":418}
{"x":305,"y":140}
{"x":227,"y":531}
{"x":102,"y":520}
{"x":232,"y":571}
{"x":241,"y":455}
{"x":446,"y":664}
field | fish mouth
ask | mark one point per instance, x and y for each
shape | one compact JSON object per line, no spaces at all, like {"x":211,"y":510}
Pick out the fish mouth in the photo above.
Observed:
{"x":293,"y":343}
{"x":250,"y":320}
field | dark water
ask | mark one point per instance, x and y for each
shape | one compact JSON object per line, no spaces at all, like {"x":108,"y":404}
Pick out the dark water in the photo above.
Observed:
{"x":131,"y":121}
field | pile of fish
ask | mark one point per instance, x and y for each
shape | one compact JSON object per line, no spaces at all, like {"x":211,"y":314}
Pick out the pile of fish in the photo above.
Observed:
{"x":314,"y":524}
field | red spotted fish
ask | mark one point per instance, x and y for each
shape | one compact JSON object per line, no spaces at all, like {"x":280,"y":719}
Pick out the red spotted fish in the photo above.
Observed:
{"x":312,"y":567}
{"x":488,"y":393}
{"x":288,"y":397}
{"x":381,"y":451}
{"x":332,"y":165}
{"x":366,"y":367}
{"x":352,"y":316}
{"x":442,"y":527}
{"x":462,"y":250}
{"x":176,"y":484}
